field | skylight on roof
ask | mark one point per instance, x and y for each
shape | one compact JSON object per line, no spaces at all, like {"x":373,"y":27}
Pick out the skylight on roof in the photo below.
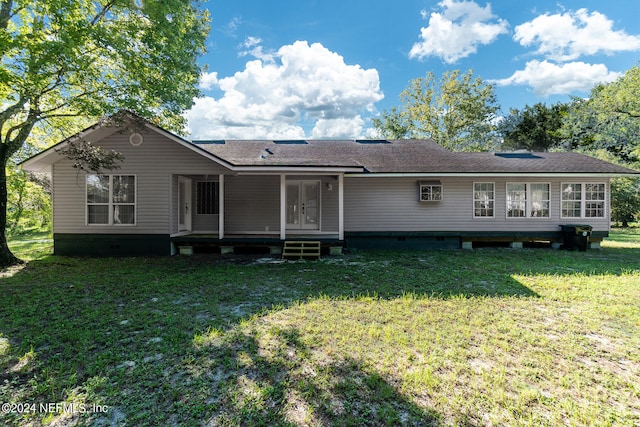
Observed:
{"x":372,"y":141}
{"x":518,"y":155}
{"x":209,"y":141}
{"x":291,"y":142}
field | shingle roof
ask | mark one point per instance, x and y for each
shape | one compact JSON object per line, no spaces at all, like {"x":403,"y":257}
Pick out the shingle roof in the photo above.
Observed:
{"x":400,"y":156}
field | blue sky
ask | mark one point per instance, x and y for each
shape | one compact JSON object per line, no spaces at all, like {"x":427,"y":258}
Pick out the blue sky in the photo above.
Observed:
{"x":287,"y":69}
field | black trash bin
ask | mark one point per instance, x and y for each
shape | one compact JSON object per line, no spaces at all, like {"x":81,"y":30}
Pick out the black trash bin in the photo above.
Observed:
{"x":576,"y":236}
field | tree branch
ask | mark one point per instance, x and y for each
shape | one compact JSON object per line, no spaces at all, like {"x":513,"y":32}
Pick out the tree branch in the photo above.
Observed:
{"x":11,"y":111}
{"x":102,"y":13}
{"x":628,"y":113}
{"x":23,"y":130}
{"x":5,"y":13}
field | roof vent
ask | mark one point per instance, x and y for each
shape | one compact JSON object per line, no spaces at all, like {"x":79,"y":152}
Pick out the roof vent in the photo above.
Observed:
{"x":266,"y":153}
{"x":136,"y":139}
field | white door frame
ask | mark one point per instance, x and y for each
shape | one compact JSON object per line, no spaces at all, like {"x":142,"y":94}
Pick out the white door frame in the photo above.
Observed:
{"x":300,"y":217}
{"x":185,"y":203}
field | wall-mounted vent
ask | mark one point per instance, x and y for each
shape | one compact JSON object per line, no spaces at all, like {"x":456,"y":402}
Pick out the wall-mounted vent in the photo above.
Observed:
{"x":136,"y":139}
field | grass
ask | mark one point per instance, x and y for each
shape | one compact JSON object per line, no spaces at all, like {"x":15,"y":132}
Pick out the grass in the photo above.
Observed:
{"x":482,"y":337}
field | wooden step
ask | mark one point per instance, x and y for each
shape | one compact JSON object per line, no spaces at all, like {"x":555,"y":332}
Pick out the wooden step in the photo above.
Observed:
{"x":301,"y":249}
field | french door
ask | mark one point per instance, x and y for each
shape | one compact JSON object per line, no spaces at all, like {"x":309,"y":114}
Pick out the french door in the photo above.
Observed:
{"x":303,"y":205}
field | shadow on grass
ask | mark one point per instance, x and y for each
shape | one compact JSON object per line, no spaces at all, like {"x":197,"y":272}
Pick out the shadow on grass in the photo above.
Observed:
{"x":284,"y":385}
{"x":120,"y":332}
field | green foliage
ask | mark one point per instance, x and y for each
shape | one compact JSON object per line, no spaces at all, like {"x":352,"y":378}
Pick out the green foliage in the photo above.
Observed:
{"x":607,"y":125}
{"x":86,"y":58}
{"x":625,"y":200}
{"x":457,"y":111}
{"x":535,"y":128}
{"x":609,"y":119}
{"x":29,"y":202}
{"x":89,"y":157}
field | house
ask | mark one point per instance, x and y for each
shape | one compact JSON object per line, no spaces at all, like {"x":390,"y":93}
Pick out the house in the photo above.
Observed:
{"x":357,"y":193}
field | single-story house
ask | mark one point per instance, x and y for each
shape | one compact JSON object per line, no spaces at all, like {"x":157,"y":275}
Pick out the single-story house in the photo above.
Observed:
{"x":355,"y":193}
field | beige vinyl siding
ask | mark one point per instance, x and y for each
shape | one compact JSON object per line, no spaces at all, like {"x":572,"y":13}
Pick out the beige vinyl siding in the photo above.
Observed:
{"x":391,"y":204}
{"x":153,"y":163}
{"x":329,"y":201}
{"x":253,"y":203}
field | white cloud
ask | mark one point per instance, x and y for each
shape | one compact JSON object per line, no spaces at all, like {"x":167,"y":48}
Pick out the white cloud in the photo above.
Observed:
{"x":567,"y":36}
{"x":231,"y":28}
{"x":338,"y":128}
{"x":300,"y":86}
{"x":252,"y":47}
{"x":457,"y":31}
{"x":547,"y":78}
{"x":208,"y":80}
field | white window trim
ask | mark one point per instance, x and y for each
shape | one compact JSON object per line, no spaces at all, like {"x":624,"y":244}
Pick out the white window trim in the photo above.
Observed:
{"x":110,"y":204}
{"x":583,"y":200}
{"x":473,"y":200}
{"x":429,"y":184}
{"x":528,"y":201}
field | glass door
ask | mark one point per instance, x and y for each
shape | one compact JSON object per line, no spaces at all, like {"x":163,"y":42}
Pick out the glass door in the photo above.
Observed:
{"x":303,"y":205}
{"x":310,"y":208}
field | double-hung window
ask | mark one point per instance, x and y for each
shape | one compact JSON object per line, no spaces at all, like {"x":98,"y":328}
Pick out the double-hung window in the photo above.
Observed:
{"x":111,"y":199}
{"x":527,"y":200}
{"x":583,"y":200}
{"x":483,"y":199}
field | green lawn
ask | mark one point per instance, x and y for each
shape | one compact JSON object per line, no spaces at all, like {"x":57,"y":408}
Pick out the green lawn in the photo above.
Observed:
{"x":484,"y":337}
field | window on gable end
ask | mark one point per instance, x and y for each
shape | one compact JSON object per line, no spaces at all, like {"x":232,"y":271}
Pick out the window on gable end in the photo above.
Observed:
{"x":111,"y":199}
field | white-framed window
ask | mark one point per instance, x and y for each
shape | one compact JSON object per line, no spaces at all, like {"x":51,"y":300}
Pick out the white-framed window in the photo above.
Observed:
{"x":583,"y":200}
{"x":111,"y":199}
{"x":527,"y":200}
{"x":484,"y":199}
{"x":516,"y":200}
{"x":430,"y":191}
{"x":207,"y":202}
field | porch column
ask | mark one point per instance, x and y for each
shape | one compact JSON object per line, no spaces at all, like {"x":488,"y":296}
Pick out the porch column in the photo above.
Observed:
{"x":283,"y":207}
{"x":341,"y":206}
{"x":220,"y":206}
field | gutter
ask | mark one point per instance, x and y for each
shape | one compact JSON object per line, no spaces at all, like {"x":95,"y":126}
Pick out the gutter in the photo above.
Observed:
{"x":492,"y":174}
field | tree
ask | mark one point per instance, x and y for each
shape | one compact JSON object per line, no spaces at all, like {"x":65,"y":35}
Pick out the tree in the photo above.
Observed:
{"x":458,"y":111}
{"x":607,"y":125}
{"x":609,"y":119}
{"x":625,"y":200}
{"x":535,"y":128}
{"x":28,"y":201}
{"x":89,"y":58}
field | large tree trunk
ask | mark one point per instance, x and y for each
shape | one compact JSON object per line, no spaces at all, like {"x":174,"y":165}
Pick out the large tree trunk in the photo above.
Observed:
{"x":7,"y":258}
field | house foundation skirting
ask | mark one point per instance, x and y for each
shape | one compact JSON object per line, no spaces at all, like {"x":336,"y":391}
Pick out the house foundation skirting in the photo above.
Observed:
{"x":114,"y":245}
{"x":111,"y":245}
{"x":418,"y":240}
